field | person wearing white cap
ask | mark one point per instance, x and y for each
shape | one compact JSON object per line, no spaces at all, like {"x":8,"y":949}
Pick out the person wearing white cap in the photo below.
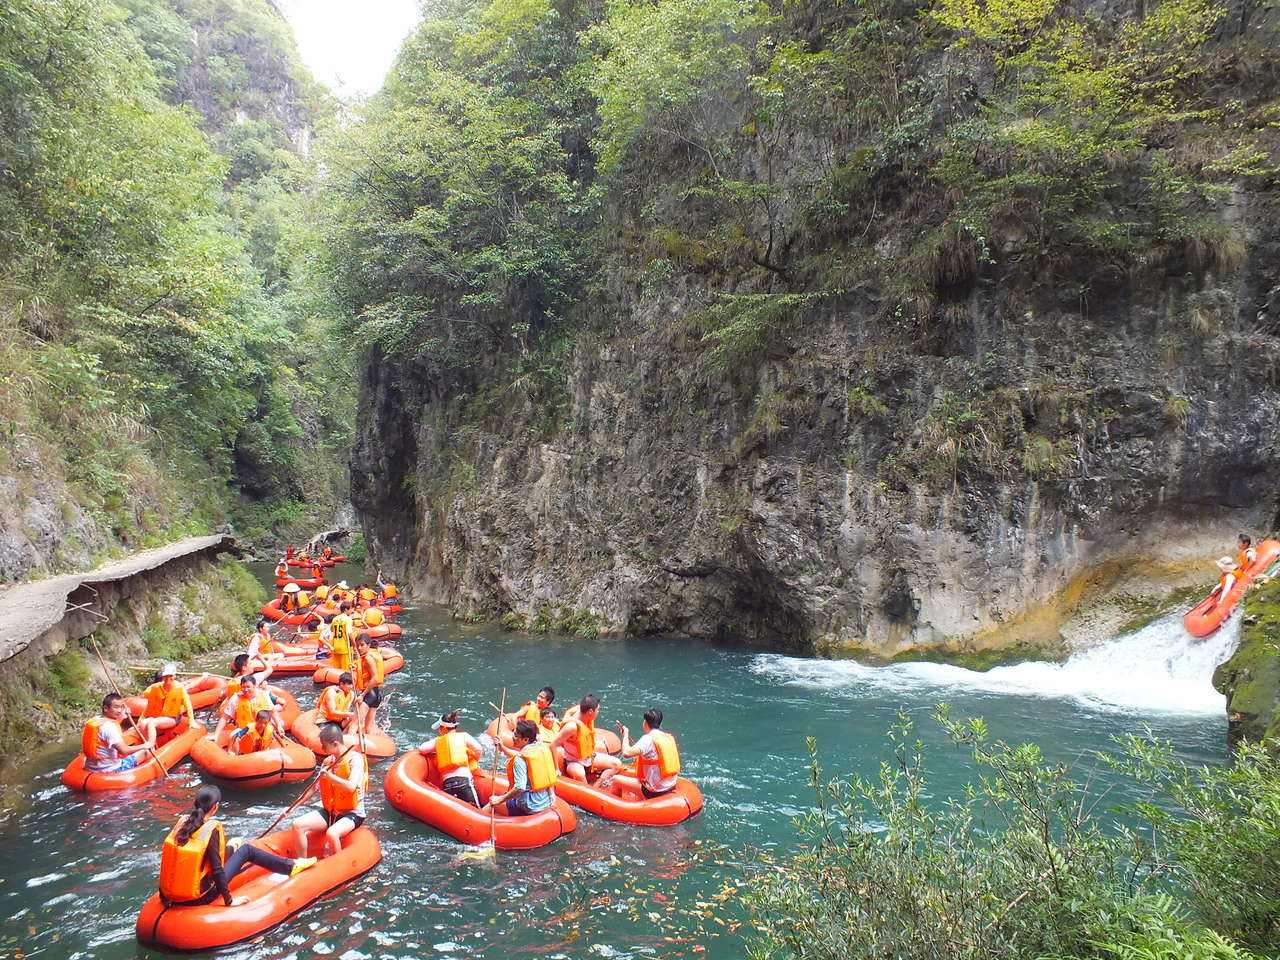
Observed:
{"x":282,"y":568}
{"x":168,"y":703}
{"x":456,"y":755}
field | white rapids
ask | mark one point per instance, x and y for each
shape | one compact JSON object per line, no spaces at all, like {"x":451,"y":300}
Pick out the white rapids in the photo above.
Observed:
{"x":1158,"y":669}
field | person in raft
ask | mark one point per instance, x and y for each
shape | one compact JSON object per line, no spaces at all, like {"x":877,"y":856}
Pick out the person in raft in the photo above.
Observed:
{"x":457,"y":754}
{"x":548,"y":725}
{"x":102,"y":740}
{"x":531,"y":771}
{"x":195,"y":868}
{"x":239,"y":710}
{"x":370,"y":671}
{"x":260,"y":736}
{"x":577,"y":738}
{"x":343,"y":630}
{"x":657,"y":759}
{"x":168,"y":703}
{"x":337,"y":703}
{"x":1232,"y":570}
{"x":344,"y":779}
{"x":262,"y":646}
{"x":241,"y":667}
{"x":327,"y":552}
{"x":282,"y":568}
{"x":387,"y":592}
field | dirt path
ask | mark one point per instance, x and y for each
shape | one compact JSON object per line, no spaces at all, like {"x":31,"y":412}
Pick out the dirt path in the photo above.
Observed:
{"x":29,"y":609}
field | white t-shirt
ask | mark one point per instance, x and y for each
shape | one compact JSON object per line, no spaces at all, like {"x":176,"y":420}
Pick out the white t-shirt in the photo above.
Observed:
{"x":653,"y":778}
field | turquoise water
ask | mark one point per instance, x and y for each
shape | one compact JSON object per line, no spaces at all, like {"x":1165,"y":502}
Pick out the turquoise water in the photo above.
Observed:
{"x":75,"y":869}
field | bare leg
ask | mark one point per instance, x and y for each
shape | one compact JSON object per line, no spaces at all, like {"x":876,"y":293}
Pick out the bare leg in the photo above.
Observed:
{"x":307,"y":823}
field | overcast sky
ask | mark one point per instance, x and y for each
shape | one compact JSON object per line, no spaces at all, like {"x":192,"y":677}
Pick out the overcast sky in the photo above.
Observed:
{"x":350,"y":45}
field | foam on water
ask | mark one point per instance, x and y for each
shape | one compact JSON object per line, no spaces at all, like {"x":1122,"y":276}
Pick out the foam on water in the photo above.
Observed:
{"x":1158,"y":669}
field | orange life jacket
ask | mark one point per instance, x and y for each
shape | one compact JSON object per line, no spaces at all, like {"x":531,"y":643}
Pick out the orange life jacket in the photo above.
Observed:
{"x":668,"y":759}
{"x":390,"y":591}
{"x":91,"y":736}
{"x":374,"y":617}
{"x":288,"y":602}
{"x":334,"y":702}
{"x":548,"y":734}
{"x":282,"y":569}
{"x":1242,"y":562}
{"x":337,"y":800}
{"x":162,"y":703}
{"x":586,"y":739}
{"x":327,"y":552}
{"x":540,"y":764}
{"x":244,"y":712}
{"x":184,"y":872}
{"x":252,"y":741}
{"x":368,"y":595}
{"x":453,"y":753}
{"x":373,"y":669}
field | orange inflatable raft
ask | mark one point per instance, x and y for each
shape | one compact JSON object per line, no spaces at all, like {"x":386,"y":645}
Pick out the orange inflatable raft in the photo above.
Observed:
{"x":287,"y":763}
{"x":306,"y":583}
{"x":170,"y":752}
{"x":204,"y":691}
{"x":383,"y":631}
{"x":1209,"y":614}
{"x":271,"y":898}
{"x":606,"y":740}
{"x":295,"y":666}
{"x":378,"y":745}
{"x":326,"y":674}
{"x":413,"y":787}
{"x":679,"y":805}
{"x":272,"y":611}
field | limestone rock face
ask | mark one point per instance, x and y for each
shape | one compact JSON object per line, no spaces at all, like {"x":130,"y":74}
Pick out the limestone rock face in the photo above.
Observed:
{"x":862,"y":487}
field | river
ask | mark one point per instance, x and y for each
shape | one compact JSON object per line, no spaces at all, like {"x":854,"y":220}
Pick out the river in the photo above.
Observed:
{"x":74,"y":869}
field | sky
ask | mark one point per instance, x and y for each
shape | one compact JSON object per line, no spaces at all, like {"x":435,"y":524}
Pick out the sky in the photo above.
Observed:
{"x":349,"y":45}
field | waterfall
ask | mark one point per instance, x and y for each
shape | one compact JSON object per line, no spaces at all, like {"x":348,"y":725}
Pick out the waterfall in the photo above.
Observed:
{"x":1158,"y":669}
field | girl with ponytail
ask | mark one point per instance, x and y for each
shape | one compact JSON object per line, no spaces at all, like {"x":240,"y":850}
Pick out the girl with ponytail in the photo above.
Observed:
{"x":194,"y":864}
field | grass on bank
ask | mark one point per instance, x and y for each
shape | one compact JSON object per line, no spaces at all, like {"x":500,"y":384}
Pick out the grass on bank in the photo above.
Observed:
{"x":1029,"y":861}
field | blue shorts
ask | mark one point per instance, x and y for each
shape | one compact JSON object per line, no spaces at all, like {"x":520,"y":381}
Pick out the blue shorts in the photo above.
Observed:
{"x":115,"y":766}
{"x":518,"y":806}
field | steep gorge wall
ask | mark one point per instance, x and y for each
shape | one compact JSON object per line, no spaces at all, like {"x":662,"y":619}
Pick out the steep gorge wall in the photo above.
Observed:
{"x":773,"y":506}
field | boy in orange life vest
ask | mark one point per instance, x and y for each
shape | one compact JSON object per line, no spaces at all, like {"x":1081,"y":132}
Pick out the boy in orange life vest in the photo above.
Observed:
{"x":260,"y":736}
{"x":577,"y":738}
{"x":168,"y":703}
{"x":194,"y":866}
{"x":239,"y":709}
{"x":531,"y":771}
{"x":657,"y":759}
{"x":337,"y":703}
{"x":102,"y":740}
{"x":456,"y":754}
{"x":282,"y":568}
{"x":371,"y":672}
{"x":344,"y":778}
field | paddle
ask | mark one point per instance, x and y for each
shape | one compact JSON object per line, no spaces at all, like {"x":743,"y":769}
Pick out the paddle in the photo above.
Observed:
{"x":303,"y":796}
{"x":110,"y":679}
{"x":146,"y":668}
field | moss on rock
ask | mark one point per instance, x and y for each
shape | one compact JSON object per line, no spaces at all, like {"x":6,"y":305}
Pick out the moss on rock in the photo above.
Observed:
{"x":1250,"y":679}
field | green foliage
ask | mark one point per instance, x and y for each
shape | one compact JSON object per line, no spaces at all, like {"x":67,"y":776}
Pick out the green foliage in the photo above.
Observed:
{"x":663,"y":67}
{"x":1020,"y":866}
{"x":70,"y":678}
{"x":739,"y":327}
{"x":459,"y":206}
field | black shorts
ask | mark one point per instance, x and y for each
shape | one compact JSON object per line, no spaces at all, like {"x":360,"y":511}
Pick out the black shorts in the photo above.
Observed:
{"x":463,"y":788}
{"x":330,"y":819}
{"x":372,"y":698}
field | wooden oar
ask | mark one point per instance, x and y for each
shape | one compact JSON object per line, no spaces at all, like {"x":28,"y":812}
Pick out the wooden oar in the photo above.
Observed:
{"x":110,"y":679}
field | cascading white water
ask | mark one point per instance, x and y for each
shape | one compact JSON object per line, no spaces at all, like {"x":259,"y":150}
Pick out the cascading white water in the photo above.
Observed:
{"x":1159,"y":668}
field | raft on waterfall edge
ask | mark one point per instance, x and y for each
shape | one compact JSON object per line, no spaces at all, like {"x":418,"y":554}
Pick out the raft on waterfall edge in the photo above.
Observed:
{"x":271,"y":898}
{"x":1208,"y":615}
